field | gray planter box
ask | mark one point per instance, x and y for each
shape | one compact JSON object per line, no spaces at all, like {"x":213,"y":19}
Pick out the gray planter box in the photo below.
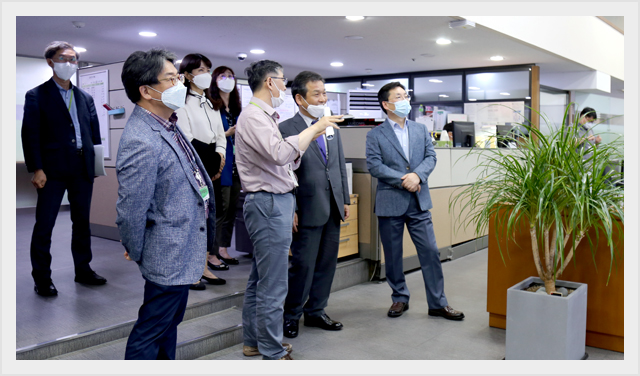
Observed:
{"x":541,"y":326}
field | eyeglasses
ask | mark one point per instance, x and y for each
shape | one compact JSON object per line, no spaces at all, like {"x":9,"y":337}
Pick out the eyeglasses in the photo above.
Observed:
{"x":399,"y":98}
{"x":222,"y":78}
{"x":281,"y":78}
{"x":174,"y":80}
{"x":71,"y":60}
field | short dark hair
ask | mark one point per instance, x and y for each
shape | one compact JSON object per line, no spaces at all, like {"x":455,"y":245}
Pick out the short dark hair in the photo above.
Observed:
{"x":57,"y":45}
{"x":258,"y":71}
{"x":143,"y":68}
{"x":299,"y":85}
{"x":191,"y":62}
{"x":214,"y":92}
{"x":383,"y":94}
{"x":448,"y":127}
{"x":589,"y":113}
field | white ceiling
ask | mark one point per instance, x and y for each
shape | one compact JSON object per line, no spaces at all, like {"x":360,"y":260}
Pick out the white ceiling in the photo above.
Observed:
{"x":389,"y":44}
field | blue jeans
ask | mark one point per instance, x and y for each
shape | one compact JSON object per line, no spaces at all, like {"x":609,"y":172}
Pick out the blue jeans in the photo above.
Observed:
{"x":269,"y":220}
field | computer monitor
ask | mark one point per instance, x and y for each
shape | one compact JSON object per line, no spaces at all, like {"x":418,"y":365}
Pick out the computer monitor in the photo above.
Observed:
{"x":464,"y":134}
{"x":505,"y":134}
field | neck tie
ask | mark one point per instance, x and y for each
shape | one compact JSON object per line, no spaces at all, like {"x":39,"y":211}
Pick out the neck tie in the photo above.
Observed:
{"x":321,"y":145}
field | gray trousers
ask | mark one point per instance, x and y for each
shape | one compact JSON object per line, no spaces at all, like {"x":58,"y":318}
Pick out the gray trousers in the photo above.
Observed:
{"x":421,"y":231}
{"x":269,"y":219}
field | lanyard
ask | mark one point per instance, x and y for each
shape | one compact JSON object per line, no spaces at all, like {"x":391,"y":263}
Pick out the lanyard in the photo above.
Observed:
{"x":70,"y":100}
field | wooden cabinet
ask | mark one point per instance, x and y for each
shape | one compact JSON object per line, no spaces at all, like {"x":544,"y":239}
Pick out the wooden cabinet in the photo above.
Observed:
{"x":349,"y":230}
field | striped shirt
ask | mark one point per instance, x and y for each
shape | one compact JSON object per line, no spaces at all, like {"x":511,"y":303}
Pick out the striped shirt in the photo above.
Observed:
{"x":170,"y":126}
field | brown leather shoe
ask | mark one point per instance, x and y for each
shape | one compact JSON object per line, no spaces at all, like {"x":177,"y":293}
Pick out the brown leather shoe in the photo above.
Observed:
{"x":286,"y":357}
{"x":447,"y":312}
{"x":397,"y":309}
{"x":253,"y":350}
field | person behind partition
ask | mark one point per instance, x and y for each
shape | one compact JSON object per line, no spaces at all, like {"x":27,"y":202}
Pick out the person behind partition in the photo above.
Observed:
{"x":266,"y":161}
{"x":165,"y":212}
{"x":322,"y":202}
{"x":401,"y":156}
{"x":59,"y":129}
{"x":585,"y":131}
{"x":225,"y":97}
{"x":202,"y":125}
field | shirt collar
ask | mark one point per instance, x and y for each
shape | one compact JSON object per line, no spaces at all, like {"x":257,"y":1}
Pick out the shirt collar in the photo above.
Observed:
{"x":265,"y":107}
{"x":169,"y":125}
{"x":394,"y":125}
{"x":306,"y":119}
{"x":61,"y":88}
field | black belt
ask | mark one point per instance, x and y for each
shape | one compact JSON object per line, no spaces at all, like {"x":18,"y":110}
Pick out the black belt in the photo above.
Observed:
{"x":79,"y":151}
{"x":293,"y":191}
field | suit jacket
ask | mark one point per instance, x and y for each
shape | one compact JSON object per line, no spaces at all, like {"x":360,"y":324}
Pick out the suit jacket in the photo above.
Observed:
{"x":161,"y":215}
{"x":387,"y":162}
{"x":317,"y":181}
{"x":48,"y":134}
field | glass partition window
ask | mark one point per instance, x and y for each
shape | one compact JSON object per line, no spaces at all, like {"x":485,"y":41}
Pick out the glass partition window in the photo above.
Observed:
{"x":498,"y":85}
{"x":343,"y":87}
{"x":437,"y":89}
{"x":375,"y":85}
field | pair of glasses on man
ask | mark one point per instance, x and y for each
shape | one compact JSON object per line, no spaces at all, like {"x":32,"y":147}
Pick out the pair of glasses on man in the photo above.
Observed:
{"x":174,"y":80}
{"x":284,"y":79}
{"x":62,"y":59}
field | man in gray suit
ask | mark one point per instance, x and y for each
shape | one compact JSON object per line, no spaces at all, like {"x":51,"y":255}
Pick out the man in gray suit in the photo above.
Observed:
{"x":322,"y":201}
{"x":401,"y":156}
{"x":166,"y":214}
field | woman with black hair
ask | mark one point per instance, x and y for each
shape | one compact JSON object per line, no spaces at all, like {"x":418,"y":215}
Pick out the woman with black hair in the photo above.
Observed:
{"x":202,"y":125}
{"x":225,"y":98}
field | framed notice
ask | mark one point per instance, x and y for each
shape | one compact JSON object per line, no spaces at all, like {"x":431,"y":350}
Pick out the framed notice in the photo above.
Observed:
{"x":97,"y":85}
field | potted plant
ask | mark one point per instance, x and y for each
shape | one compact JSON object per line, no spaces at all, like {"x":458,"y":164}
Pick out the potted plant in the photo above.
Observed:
{"x":559,"y":190}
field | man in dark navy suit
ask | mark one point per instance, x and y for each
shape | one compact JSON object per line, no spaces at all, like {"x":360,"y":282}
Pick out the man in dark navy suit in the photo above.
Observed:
{"x":322,"y":202}
{"x":59,"y":128}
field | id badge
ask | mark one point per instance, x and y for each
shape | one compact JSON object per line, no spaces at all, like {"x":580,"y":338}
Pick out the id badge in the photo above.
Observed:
{"x":204,"y":193}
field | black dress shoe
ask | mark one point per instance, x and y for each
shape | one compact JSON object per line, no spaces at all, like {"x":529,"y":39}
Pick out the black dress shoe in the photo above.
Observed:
{"x":447,"y":312}
{"x":230,"y":261}
{"x":290,"y":328}
{"x":222,"y":266}
{"x":91,"y":278}
{"x":197,"y":286}
{"x":214,"y":281}
{"x":45,"y":289}
{"x":323,"y":322}
{"x":397,"y":309}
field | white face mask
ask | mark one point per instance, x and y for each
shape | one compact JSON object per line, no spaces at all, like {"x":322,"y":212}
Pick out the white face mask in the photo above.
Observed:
{"x":65,"y":71}
{"x":277,"y":102}
{"x":314,"y":110}
{"x":174,"y":97}
{"x":227,"y":85}
{"x":202,"y":81}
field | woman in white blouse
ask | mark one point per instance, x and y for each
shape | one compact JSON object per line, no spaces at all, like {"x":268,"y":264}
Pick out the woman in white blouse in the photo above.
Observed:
{"x":203,"y":127}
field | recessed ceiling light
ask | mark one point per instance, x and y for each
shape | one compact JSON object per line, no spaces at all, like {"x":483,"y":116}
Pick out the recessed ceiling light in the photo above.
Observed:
{"x":527,"y":97}
{"x":473,"y":88}
{"x":355,"y":18}
{"x":443,"y":41}
{"x":80,"y":49}
{"x":336,"y":64}
{"x":435,"y":81}
{"x":178,"y":61}
{"x":472,"y":99}
{"x":354,"y":37}
{"x":505,"y":94}
{"x":368,"y":85}
{"x":443,"y":96}
{"x":497,"y":58}
{"x":147,"y":34}
{"x":257,"y":51}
